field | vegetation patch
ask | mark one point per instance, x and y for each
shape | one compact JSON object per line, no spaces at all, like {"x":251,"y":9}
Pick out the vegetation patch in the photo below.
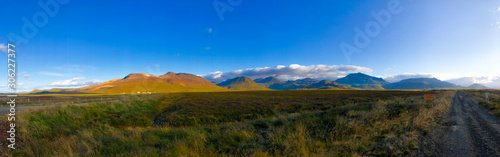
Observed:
{"x":253,"y":123}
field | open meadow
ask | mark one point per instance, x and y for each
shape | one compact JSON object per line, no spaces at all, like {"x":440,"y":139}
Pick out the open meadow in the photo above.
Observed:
{"x":240,"y":123}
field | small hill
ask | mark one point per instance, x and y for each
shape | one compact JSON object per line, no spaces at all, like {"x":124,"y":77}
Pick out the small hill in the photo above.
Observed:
{"x":420,"y":83}
{"x":362,"y":81}
{"x":268,"y":81}
{"x":477,"y":86}
{"x":327,"y":84}
{"x":241,"y":83}
{"x":289,"y":85}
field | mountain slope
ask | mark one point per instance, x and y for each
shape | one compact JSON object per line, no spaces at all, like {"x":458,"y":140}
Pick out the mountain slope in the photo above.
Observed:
{"x":241,"y":83}
{"x":362,"y":81}
{"x":268,"y":81}
{"x":420,"y":83}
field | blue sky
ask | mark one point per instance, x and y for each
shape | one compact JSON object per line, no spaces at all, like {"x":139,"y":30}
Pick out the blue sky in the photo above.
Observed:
{"x":85,"y":42}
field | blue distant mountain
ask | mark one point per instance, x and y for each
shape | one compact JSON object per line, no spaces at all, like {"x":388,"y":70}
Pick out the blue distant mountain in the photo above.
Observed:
{"x":362,"y":81}
{"x":420,"y":83}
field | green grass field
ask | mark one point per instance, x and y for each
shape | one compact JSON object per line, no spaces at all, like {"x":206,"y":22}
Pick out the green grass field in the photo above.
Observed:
{"x":243,"y":123}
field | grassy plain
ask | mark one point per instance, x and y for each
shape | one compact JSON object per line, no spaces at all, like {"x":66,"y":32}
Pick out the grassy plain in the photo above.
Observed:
{"x":244,"y":123}
{"x":58,"y":99}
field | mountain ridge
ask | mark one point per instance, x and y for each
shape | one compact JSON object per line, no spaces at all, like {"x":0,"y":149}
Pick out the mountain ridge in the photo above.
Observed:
{"x":184,"y":82}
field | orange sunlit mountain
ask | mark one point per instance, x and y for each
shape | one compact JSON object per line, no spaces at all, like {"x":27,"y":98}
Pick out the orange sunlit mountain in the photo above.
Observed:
{"x":144,"y":83}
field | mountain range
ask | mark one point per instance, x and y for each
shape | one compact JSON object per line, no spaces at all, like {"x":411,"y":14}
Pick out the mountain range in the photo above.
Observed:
{"x":183,"y":82}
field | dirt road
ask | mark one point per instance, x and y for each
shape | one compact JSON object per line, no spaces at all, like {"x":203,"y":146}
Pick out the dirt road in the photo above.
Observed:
{"x":469,"y":130}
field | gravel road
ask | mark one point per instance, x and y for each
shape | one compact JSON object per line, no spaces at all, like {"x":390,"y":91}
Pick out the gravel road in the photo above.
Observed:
{"x":469,"y":130}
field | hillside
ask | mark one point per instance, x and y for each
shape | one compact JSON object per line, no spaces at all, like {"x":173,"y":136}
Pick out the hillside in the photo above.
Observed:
{"x":241,"y":83}
{"x":144,"y":83}
{"x":268,"y":81}
{"x":420,"y":83}
{"x":362,"y":81}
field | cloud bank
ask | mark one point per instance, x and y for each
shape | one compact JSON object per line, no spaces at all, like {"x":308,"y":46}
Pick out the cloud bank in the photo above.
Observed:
{"x":3,"y":47}
{"x":291,"y":72}
{"x":399,"y":77}
{"x":53,"y":74}
{"x":74,"y":82}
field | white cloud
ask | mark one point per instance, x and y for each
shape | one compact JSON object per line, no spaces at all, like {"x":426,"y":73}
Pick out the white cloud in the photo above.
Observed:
{"x":75,"y":68}
{"x":3,"y":47}
{"x":69,"y":70}
{"x":77,"y":81}
{"x":53,"y":74}
{"x":291,"y":72}
{"x":26,"y":75}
